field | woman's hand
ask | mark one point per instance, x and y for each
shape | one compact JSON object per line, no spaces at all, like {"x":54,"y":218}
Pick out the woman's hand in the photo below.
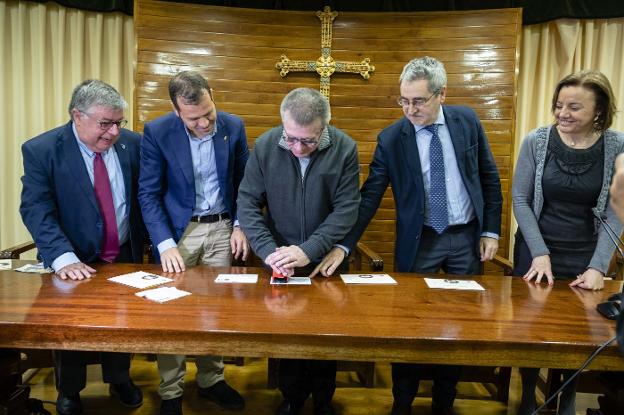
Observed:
{"x":540,"y":267}
{"x":591,"y":279}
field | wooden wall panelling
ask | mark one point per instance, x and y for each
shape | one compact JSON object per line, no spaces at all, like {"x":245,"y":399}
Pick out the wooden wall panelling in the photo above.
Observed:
{"x":236,"y":49}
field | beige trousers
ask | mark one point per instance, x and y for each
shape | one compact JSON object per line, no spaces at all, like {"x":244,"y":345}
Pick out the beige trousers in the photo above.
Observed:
{"x":201,"y":243}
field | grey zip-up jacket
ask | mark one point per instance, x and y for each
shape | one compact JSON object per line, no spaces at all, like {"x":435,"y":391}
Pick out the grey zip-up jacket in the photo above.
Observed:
{"x":314,"y":212}
{"x":528,"y":198}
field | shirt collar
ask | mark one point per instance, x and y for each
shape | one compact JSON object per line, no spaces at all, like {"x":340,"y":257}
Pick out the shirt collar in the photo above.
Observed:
{"x":208,"y":136}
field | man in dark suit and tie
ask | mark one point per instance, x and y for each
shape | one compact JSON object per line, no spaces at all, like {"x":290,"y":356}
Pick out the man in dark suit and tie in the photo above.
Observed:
{"x":192,"y":161}
{"x":79,"y":204}
{"x":448,"y":200}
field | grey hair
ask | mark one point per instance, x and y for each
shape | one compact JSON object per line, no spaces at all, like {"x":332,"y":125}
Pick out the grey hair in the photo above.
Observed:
{"x":93,"y":92}
{"x":430,"y":69}
{"x":306,"y":105}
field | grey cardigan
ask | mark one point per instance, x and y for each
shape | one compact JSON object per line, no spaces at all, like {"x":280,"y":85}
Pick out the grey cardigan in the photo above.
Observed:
{"x":313,"y":212}
{"x":528,"y":199}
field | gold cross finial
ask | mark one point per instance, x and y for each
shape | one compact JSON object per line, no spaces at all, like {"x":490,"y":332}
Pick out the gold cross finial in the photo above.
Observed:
{"x":325,"y":65}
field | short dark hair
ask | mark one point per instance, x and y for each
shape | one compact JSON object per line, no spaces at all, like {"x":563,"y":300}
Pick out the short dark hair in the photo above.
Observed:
{"x":190,"y":86}
{"x":598,"y":83}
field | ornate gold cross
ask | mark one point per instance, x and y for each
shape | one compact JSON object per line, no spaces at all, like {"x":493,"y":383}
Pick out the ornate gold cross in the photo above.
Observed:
{"x":325,"y":66}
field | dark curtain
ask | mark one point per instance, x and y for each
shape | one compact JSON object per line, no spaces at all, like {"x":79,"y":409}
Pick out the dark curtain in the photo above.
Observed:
{"x":534,"y":11}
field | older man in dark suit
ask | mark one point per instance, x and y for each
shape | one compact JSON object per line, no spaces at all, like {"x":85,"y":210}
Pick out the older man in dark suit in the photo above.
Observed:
{"x":448,"y":201}
{"x":79,"y":204}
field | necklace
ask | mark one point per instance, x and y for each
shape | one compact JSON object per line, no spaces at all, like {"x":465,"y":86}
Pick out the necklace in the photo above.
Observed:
{"x":584,"y":142}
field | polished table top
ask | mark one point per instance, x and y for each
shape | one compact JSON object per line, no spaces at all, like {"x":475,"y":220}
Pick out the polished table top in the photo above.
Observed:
{"x":511,"y":323}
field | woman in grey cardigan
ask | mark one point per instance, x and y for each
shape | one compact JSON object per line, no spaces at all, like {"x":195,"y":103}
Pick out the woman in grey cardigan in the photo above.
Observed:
{"x":560,"y":184}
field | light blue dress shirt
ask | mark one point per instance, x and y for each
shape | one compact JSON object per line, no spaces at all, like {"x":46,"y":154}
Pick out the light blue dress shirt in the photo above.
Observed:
{"x":115,"y":175}
{"x":208,"y":200}
{"x":460,"y":208}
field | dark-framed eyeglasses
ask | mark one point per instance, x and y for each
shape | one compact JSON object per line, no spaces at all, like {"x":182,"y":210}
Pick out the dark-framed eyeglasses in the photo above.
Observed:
{"x":308,"y":142}
{"x":416,"y":102}
{"x":106,"y":125}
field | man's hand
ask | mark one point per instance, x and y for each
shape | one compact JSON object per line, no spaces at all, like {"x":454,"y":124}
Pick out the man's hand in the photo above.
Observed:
{"x":239,"y":244}
{"x":77,"y":271}
{"x":487,"y":248}
{"x":172,"y":261}
{"x":330,"y":262}
{"x":591,"y":279}
{"x":270,"y":261}
{"x":286,"y":258}
{"x":540,"y":267}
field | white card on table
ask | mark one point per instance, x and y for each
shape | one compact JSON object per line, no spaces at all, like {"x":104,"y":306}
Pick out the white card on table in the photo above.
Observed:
{"x":5,"y":264}
{"x":237,"y":278}
{"x":140,"y":279}
{"x":292,"y":281}
{"x":367,"y":279}
{"x":450,"y":284}
{"x":163,"y":294}
{"x":34,"y":269}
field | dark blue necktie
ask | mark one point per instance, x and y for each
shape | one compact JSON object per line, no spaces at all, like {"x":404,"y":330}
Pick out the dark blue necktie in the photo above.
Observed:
{"x":438,"y":210}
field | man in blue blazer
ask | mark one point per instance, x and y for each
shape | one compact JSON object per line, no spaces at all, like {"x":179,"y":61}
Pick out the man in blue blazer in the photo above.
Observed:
{"x":192,"y":162}
{"x":448,"y":200}
{"x":79,"y":204}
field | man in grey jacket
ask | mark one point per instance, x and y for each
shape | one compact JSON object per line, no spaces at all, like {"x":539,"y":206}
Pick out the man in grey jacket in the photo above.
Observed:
{"x":306,"y":174}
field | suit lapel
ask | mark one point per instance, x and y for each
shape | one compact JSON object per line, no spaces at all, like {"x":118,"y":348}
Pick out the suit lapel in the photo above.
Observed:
{"x":76,"y":164}
{"x":457,"y":137}
{"x":410,"y":152}
{"x":221,"y":145}
{"x":126,"y":168}
{"x":179,"y":143}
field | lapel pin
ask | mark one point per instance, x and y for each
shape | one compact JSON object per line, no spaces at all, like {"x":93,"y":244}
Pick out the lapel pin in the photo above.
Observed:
{"x":123,"y":146}
{"x":225,"y":138}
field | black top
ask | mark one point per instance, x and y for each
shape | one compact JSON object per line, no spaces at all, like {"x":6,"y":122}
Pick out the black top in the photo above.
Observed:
{"x":571,"y":185}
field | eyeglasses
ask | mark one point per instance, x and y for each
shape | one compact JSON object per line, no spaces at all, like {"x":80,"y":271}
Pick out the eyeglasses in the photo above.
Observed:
{"x":106,"y":125}
{"x":308,"y":142}
{"x":416,"y":102}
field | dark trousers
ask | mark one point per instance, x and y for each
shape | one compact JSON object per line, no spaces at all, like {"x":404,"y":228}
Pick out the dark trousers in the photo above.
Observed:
{"x":70,"y":367}
{"x":298,"y":378}
{"x":454,"y":252}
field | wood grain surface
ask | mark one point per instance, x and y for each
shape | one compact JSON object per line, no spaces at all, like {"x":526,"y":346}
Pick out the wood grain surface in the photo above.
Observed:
{"x":236,"y":50}
{"x":511,"y":323}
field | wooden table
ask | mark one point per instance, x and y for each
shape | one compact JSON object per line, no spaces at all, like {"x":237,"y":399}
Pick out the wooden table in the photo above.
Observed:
{"x":511,"y":323}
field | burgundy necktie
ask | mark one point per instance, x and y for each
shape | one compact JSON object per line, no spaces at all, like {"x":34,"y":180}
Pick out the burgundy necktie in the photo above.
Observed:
{"x":104,"y":196}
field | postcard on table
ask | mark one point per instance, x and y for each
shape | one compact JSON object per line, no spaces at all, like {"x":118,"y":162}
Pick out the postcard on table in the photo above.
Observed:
{"x":34,"y":269}
{"x":237,"y":278}
{"x":140,"y":279}
{"x":163,"y":294}
{"x":450,"y":284}
{"x":367,"y":279}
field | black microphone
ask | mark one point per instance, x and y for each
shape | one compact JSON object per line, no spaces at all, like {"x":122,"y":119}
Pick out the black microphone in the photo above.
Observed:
{"x":619,"y":330}
{"x":611,"y":308}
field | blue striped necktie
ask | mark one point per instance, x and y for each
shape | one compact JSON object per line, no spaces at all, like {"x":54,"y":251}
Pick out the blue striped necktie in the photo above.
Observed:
{"x":438,"y":209}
